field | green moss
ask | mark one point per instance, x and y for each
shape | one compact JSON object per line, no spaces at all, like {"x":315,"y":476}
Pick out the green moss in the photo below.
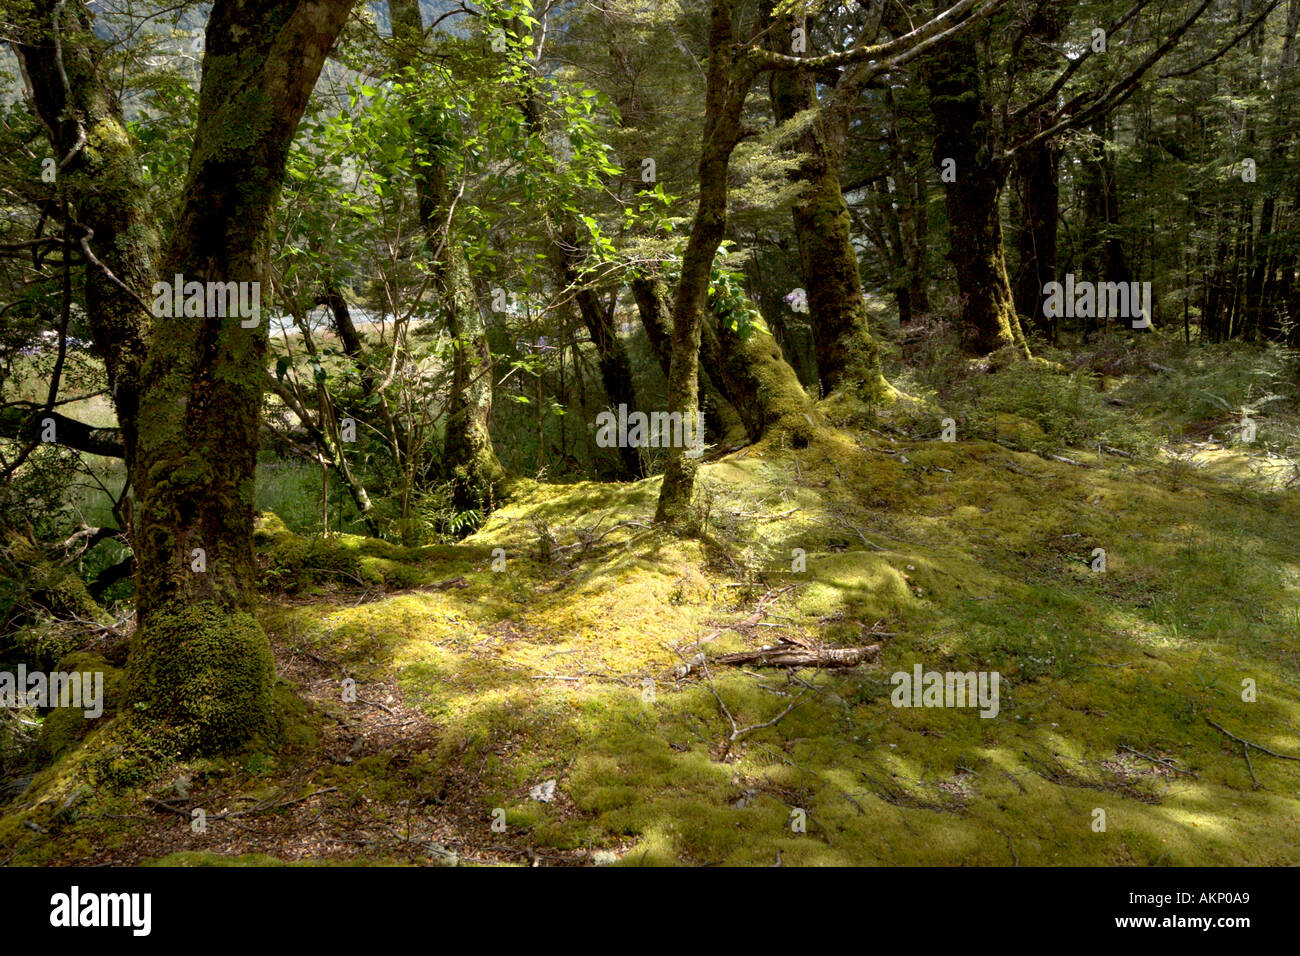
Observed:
{"x":57,"y":589}
{"x":65,"y":725}
{"x":293,"y":562}
{"x":204,"y":673}
{"x":955,"y":556}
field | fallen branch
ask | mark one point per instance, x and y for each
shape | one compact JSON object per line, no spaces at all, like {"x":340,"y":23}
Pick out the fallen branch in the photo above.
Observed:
{"x":1245,"y":750}
{"x":794,"y":655}
{"x":459,"y":582}
{"x":164,"y":805}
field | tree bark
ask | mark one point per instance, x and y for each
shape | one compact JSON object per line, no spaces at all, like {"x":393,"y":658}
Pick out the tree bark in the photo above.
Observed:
{"x":1035,"y":169}
{"x":200,"y":661}
{"x":469,"y":461}
{"x":964,"y":137}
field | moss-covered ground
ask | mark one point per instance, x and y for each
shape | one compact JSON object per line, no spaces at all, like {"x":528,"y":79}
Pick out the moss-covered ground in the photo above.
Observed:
{"x":548,"y":647}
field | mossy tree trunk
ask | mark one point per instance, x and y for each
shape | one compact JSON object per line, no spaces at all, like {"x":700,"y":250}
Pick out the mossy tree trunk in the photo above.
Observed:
{"x":730,"y":73}
{"x":650,"y":293}
{"x":200,"y":661}
{"x":755,"y":387}
{"x":726,"y":89}
{"x":187,"y":390}
{"x":964,"y":145}
{"x":758,"y":382}
{"x":98,"y":172}
{"x":721,"y":421}
{"x":469,"y":461}
{"x":846,"y":351}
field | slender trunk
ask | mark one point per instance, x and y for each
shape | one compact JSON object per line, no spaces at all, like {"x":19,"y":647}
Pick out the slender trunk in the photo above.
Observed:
{"x":722,"y":423}
{"x":1102,"y":256}
{"x":722,"y":131}
{"x":611,"y":357}
{"x":341,"y":316}
{"x":98,"y":172}
{"x":1039,"y":197}
{"x":469,"y":461}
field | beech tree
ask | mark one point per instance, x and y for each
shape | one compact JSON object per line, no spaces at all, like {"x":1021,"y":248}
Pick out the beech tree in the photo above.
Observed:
{"x":187,"y":389}
{"x":733,"y":68}
{"x":980,"y":138}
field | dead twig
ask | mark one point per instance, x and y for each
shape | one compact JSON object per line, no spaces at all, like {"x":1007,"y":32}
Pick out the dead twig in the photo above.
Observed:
{"x":1159,"y":760}
{"x":738,"y":733}
{"x":1246,"y":746}
{"x":1251,"y":743}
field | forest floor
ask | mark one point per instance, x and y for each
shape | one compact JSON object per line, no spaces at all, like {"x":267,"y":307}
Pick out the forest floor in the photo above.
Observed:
{"x":533,"y":705}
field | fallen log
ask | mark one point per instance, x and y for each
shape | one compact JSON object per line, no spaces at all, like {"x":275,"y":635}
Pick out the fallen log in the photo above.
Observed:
{"x":459,"y":582}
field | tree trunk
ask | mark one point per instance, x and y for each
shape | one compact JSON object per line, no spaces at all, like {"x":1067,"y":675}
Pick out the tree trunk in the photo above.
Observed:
{"x":757,"y":381}
{"x":1102,"y":255}
{"x":721,"y":422}
{"x":651,"y":297}
{"x":611,"y":357}
{"x":200,"y":661}
{"x":1036,"y":171}
{"x":1039,"y":201}
{"x":847,"y":353}
{"x":469,"y":462}
{"x":99,"y":173}
{"x":722,"y":131}
{"x":964,"y":137}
